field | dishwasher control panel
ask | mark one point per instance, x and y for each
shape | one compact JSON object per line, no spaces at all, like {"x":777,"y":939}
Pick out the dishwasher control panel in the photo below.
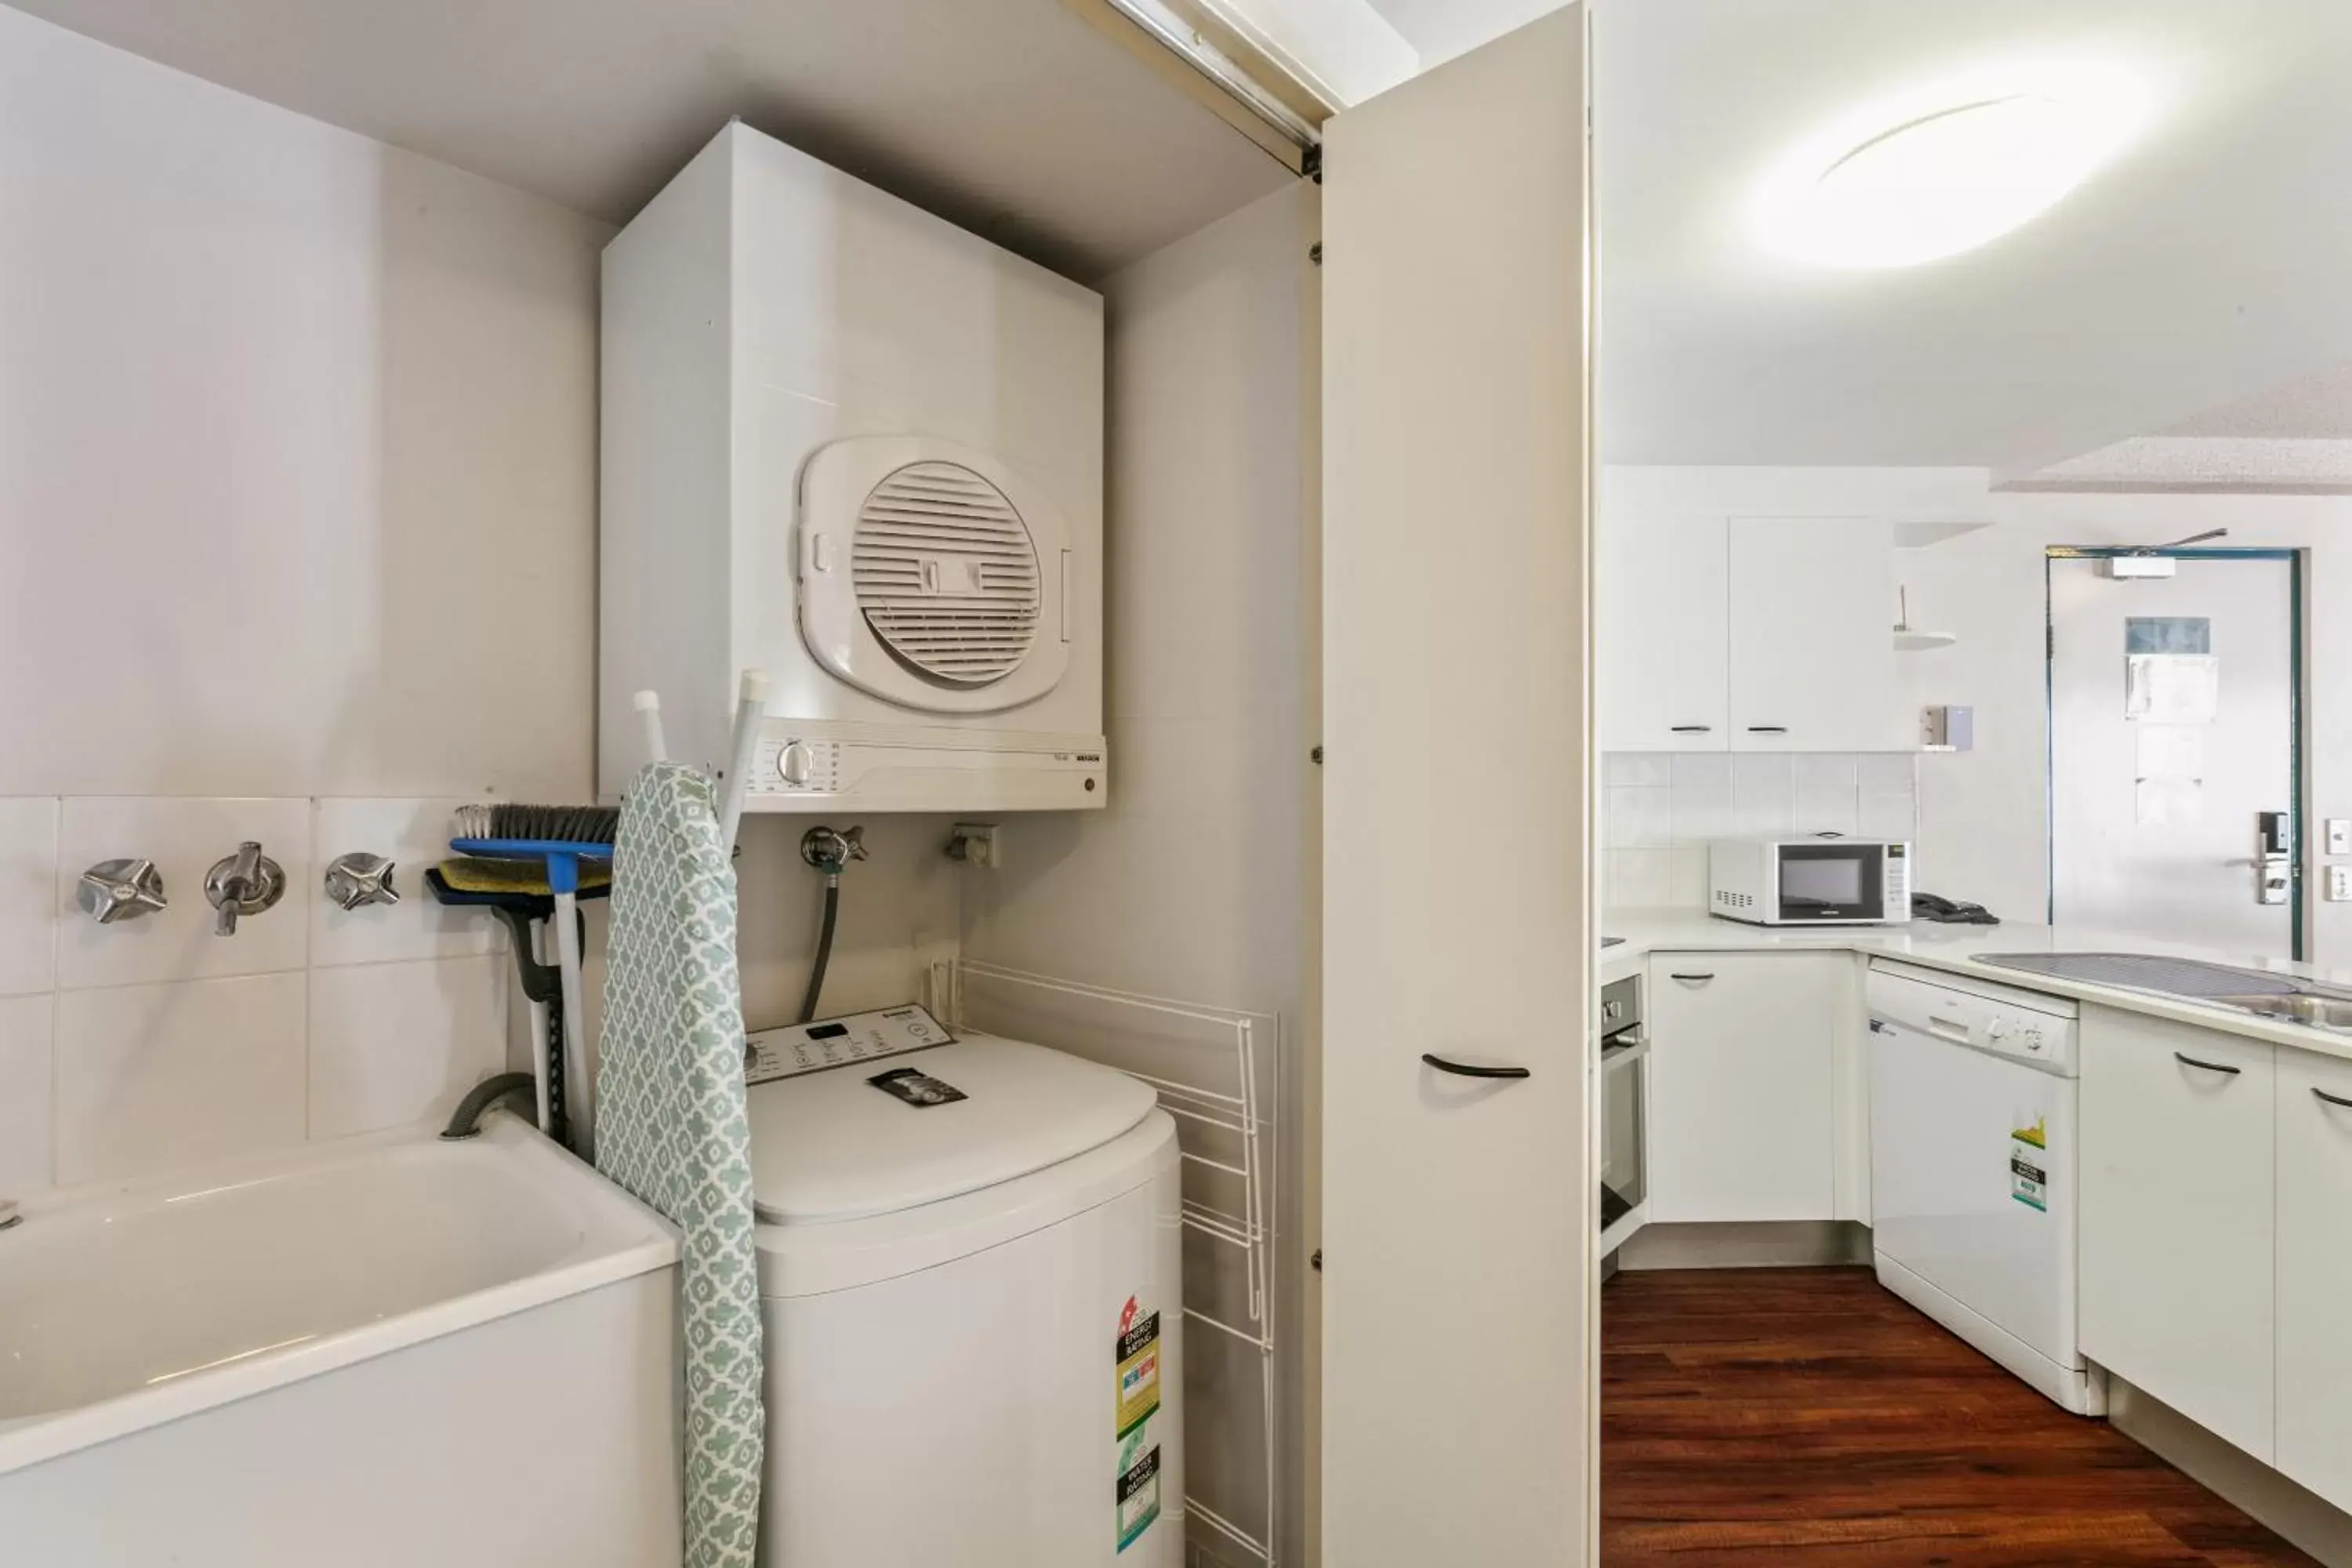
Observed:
{"x":2000,"y":1020}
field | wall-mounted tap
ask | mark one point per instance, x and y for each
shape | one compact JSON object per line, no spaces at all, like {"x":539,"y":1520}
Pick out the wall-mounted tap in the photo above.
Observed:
{"x":115,"y":890}
{"x":245,"y":883}
{"x":358,"y":880}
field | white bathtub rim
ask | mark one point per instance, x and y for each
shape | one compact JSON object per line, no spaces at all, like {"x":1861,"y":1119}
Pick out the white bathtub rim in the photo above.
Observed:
{"x":30,"y":1440}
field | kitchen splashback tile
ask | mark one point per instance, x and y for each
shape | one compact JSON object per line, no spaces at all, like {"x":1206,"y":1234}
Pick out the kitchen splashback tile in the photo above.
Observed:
{"x":1888,"y":772}
{"x":28,"y":895}
{"x":184,"y":837}
{"x":396,"y":1043}
{"x":153,"y":1076}
{"x":414,"y":836}
{"x":1825,"y":796}
{"x":1653,"y":769}
{"x":1889,"y":816}
{"x":26,"y":1097}
{"x":1640,"y":818}
{"x":1703,"y":797}
{"x":1761,"y":793}
{"x":1641,"y":879}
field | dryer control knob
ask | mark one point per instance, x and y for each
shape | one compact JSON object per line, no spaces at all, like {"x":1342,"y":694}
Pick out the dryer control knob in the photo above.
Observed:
{"x":793,"y":763}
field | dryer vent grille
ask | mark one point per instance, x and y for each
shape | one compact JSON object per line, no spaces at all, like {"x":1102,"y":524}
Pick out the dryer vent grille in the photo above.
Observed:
{"x":945,"y":574}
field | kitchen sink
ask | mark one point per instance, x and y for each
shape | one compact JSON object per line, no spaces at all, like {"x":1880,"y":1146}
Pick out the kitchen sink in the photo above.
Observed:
{"x":2328,"y":1012}
{"x":2264,"y":993}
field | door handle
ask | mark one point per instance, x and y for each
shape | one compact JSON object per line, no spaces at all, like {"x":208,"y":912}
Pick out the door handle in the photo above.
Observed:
{"x":1691,"y":979}
{"x":1768,"y":729}
{"x":2208,"y":1067}
{"x":1693,"y":730}
{"x":2333,"y":1100}
{"x":1472,"y":1069}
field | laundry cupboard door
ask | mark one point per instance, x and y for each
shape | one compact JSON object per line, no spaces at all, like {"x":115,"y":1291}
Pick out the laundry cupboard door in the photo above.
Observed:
{"x":1458,"y":1214}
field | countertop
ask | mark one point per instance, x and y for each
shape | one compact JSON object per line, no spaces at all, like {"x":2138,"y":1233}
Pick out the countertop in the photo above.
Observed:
{"x":1955,"y":947}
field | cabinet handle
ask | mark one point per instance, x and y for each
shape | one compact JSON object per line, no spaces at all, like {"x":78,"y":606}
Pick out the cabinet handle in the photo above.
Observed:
{"x":1471,"y":1069}
{"x":2208,"y":1067}
{"x":1692,"y":979}
{"x":1768,"y":729}
{"x":1693,"y":729}
{"x":2333,"y":1100}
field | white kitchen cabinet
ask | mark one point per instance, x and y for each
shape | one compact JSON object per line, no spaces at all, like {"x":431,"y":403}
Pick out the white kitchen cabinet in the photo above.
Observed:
{"x":1663,"y":631}
{"x":2179,"y":1237}
{"x":1812,"y":648}
{"x":2314,"y":1273}
{"x":1743,"y":1098}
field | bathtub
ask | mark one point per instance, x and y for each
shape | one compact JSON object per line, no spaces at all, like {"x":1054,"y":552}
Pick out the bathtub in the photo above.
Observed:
{"x":385,"y":1351}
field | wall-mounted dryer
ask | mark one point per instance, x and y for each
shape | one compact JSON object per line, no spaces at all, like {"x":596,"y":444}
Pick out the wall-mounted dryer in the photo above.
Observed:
{"x":851,"y":445}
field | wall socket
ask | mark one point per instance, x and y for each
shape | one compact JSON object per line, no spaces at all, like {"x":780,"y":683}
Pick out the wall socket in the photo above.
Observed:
{"x":2339,"y":884}
{"x":2339,"y":835}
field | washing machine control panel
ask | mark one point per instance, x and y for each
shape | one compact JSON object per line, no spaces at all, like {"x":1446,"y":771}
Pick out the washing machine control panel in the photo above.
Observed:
{"x":798,"y":1048}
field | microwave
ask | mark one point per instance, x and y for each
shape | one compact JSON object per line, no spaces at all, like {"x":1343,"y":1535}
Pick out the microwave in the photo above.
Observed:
{"x":1826,"y":879}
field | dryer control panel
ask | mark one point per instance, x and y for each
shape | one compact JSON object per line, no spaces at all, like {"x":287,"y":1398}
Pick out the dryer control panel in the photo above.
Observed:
{"x":798,"y":1048}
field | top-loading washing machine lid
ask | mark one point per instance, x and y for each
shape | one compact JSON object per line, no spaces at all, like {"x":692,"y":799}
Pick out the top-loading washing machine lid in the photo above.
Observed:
{"x":881,"y":1136}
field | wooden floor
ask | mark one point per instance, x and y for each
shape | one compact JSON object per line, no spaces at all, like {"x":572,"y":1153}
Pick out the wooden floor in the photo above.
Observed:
{"x":1805,"y":1416}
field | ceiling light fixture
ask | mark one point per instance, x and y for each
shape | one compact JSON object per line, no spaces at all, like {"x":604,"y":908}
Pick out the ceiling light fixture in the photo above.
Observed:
{"x":1941,"y":172}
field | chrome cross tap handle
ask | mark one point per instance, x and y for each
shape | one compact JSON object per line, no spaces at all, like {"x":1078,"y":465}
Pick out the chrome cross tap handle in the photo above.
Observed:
{"x":115,"y":890}
{"x":358,"y":880}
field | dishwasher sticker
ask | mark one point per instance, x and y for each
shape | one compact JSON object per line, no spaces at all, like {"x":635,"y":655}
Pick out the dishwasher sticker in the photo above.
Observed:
{"x":2029,"y":1161}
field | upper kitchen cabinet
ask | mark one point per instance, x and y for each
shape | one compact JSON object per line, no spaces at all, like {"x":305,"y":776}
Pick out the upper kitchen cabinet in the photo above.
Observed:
{"x":1751,"y":635}
{"x":1811,"y":645}
{"x":1664,"y":656}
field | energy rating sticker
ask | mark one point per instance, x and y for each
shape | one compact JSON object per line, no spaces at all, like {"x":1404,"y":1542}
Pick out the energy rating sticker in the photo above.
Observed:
{"x":2029,"y":1159}
{"x":1139,"y":1368}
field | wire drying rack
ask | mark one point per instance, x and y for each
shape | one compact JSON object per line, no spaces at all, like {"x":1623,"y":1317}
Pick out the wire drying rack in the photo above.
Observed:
{"x":1217,"y":1074}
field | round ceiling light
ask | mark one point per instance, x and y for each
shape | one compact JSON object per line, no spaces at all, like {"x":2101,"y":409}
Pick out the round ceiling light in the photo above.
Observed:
{"x":1944,"y":175}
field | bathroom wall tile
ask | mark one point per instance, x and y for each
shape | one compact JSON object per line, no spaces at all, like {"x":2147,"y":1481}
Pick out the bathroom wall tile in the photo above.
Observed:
{"x":1703,"y":798}
{"x":1651,"y":768}
{"x":1889,"y":816}
{"x":414,"y":836}
{"x":393,"y":1044}
{"x":28,"y":894}
{"x":1825,"y":795}
{"x":1641,"y":879}
{"x":26,"y":1134}
{"x":1761,"y":793}
{"x":1638,"y":818}
{"x":184,"y":837}
{"x":1888,"y":772}
{"x":153,"y":1076}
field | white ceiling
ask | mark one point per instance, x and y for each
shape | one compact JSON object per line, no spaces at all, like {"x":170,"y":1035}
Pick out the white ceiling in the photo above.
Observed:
{"x":2206,"y":269}
{"x":1441,"y":29}
{"x":1015,"y":118}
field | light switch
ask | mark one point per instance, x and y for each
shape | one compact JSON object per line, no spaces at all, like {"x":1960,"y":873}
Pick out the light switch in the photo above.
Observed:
{"x":2339,"y":836}
{"x":2339,"y":884}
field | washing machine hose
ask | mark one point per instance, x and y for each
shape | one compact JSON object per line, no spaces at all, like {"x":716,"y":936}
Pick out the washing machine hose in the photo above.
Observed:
{"x":823,"y":946}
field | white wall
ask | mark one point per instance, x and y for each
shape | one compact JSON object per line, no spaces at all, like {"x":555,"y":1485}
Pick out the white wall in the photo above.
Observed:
{"x":1191,"y":884}
{"x":1984,"y":830}
{"x":297,"y":535}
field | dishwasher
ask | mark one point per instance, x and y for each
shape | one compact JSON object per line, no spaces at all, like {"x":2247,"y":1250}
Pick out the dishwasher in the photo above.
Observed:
{"x":1973,"y":1090}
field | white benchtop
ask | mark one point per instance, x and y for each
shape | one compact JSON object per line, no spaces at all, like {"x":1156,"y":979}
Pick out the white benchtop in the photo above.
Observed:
{"x":1955,"y":947}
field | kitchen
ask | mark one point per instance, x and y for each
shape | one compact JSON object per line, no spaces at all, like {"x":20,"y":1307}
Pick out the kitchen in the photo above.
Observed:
{"x":1978,"y":986}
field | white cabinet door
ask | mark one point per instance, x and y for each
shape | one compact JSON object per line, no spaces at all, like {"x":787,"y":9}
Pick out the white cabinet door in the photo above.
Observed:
{"x":2314,"y":1273}
{"x":1457,"y":1212}
{"x":2178,"y":1218}
{"x":1811,"y":643}
{"x":1743,"y":1119}
{"x":1663,"y":661}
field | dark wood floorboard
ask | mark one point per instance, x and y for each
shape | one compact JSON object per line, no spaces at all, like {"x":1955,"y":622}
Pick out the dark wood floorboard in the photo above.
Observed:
{"x":1805,"y":1416}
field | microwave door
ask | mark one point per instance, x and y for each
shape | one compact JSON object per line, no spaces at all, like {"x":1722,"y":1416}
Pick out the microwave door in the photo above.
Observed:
{"x":1833,"y":882}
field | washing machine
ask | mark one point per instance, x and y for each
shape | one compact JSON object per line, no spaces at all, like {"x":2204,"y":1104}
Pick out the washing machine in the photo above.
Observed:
{"x":969,"y":1269}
